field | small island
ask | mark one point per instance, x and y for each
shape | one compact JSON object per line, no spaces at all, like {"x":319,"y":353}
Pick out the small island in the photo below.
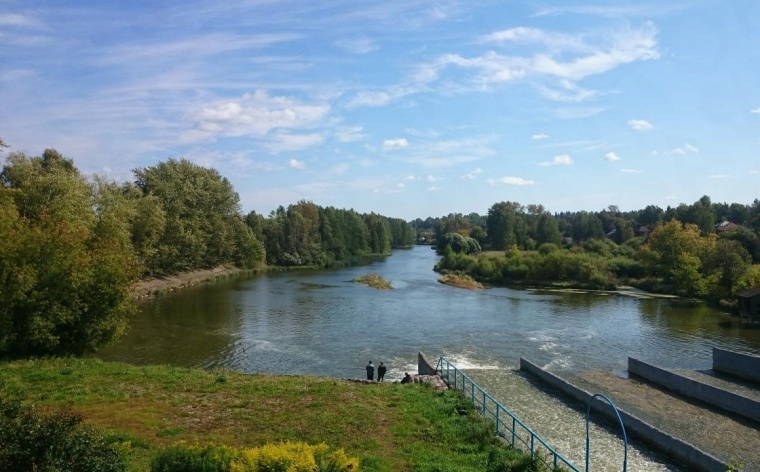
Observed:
{"x":374,"y":281}
{"x":460,"y":280}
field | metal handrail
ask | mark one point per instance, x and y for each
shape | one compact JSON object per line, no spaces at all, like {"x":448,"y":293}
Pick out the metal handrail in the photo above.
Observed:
{"x":507,"y":425}
{"x":622,"y":426}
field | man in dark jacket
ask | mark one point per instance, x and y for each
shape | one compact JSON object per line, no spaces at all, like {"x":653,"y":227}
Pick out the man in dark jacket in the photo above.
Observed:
{"x":370,"y":371}
{"x":380,"y":371}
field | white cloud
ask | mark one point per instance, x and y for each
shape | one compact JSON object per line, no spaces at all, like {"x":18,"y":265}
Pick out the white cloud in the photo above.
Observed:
{"x":539,"y":136}
{"x":471,"y":175}
{"x":433,"y":188}
{"x":631,"y":171}
{"x":686,"y":149}
{"x":370,"y":99}
{"x":400,"y":185}
{"x":431,"y":178}
{"x":567,"y":92}
{"x":509,"y":180}
{"x":564,"y":56}
{"x":357,"y":46}
{"x":350,"y":134}
{"x":296,"y":164}
{"x":254,"y":115}
{"x":756,"y":110}
{"x":640,"y":125}
{"x":561,"y":160}
{"x":611,"y":157}
{"x":283,"y":142}
{"x":14,"y":19}
{"x":395,"y":143}
{"x":719,"y":176}
{"x":411,"y":177}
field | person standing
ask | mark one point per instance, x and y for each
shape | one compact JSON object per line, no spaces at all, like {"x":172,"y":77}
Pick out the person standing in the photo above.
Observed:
{"x":381,"y":371}
{"x":370,"y":371}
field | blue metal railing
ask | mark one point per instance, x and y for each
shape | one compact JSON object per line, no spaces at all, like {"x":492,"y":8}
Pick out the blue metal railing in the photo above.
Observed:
{"x":507,"y":425}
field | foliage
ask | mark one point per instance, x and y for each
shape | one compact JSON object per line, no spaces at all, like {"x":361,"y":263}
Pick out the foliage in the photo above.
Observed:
{"x":183,"y":457}
{"x":31,"y":440}
{"x":66,"y":260}
{"x":203,"y":226}
{"x":458,"y":244}
{"x":677,"y":251}
{"x":305,"y":234}
{"x":293,"y":457}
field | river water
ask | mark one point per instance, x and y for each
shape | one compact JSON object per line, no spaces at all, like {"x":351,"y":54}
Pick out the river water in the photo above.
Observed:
{"x":321,"y":323}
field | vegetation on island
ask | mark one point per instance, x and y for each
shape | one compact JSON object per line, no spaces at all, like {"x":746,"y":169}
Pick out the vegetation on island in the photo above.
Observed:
{"x":177,"y":413}
{"x":690,"y":250}
{"x":460,"y":280}
{"x":374,"y":281}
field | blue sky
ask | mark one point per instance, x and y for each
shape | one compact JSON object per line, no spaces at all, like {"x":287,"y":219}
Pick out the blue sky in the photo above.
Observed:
{"x":405,"y":108}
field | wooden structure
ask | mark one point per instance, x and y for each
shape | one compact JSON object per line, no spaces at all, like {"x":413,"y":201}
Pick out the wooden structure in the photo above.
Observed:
{"x":749,"y":306}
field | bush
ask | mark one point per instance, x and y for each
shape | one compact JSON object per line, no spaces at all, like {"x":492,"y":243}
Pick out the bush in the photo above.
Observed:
{"x":30,"y":440}
{"x":284,"y":457}
{"x":182,"y":457}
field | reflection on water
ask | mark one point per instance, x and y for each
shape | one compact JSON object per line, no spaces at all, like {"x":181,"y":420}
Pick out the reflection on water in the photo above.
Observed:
{"x":321,"y":323}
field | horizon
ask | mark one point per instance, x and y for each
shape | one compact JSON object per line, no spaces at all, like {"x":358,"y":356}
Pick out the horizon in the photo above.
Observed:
{"x":399,"y":108}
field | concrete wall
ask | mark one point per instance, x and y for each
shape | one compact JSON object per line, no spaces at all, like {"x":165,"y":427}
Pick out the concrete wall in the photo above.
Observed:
{"x":424,"y":367}
{"x":743,"y":366}
{"x":670,"y":445}
{"x":715,"y":396}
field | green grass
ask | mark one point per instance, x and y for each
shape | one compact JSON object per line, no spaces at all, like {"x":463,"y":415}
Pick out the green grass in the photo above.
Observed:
{"x":389,"y":427}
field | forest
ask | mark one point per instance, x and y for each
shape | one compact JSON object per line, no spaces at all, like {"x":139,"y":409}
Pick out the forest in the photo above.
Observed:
{"x":72,"y":245}
{"x":704,"y":249}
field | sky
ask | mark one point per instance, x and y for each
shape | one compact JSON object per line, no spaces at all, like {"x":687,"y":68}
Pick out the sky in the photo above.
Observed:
{"x":405,"y":108}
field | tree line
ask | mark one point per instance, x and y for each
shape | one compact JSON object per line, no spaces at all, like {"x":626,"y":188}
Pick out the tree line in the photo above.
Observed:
{"x":681,"y":250}
{"x":72,"y":245}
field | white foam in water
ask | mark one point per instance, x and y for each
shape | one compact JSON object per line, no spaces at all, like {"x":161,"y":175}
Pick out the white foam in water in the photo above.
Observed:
{"x":462,"y":362}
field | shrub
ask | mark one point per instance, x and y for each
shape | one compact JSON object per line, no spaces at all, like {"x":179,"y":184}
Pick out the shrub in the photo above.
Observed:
{"x":30,"y":440}
{"x":183,"y":457}
{"x":283,"y":457}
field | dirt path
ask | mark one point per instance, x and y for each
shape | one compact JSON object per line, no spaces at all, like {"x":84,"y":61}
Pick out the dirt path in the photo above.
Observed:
{"x":150,"y":286}
{"x":724,"y":436}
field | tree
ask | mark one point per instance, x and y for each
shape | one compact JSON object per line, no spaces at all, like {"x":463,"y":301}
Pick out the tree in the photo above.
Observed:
{"x":202,"y":211}
{"x":547,"y":230}
{"x":505,"y":225}
{"x":729,"y":262}
{"x":66,"y":263}
{"x":676,"y":252}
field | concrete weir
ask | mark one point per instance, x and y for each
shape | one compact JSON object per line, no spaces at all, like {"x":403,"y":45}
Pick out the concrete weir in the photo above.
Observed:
{"x":740,"y":365}
{"x":718,"y":397}
{"x":670,"y":445}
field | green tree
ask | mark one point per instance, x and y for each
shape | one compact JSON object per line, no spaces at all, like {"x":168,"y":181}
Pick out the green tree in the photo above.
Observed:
{"x":202,"y":213}
{"x":547,"y":230}
{"x":729,"y":263}
{"x":676,"y":252}
{"x":66,"y":265}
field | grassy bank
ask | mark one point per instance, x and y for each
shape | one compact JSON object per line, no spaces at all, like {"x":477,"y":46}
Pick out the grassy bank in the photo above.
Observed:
{"x":389,"y":427}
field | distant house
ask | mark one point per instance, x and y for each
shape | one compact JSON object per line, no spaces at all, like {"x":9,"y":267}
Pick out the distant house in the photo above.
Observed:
{"x":749,"y":305}
{"x":725,"y":226}
{"x":642,"y":231}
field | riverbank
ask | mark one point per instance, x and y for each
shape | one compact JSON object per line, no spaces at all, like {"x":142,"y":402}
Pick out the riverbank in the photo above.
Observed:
{"x":155,"y":285}
{"x":388,"y":426}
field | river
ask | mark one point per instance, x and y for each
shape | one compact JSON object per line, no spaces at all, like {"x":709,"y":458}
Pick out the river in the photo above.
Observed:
{"x":321,"y":323}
